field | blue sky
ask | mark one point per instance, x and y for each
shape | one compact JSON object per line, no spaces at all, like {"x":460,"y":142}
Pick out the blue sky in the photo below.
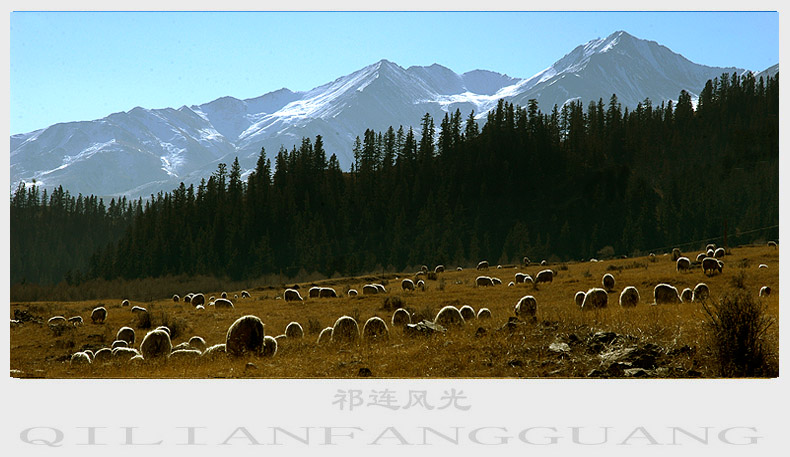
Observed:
{"x":72,"y":66}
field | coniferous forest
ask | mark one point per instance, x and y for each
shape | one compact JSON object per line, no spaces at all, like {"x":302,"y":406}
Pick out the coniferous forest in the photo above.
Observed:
{"x":574,"y":183}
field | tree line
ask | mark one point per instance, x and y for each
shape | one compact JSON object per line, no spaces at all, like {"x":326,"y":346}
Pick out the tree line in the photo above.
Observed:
{"x":569,"y":184}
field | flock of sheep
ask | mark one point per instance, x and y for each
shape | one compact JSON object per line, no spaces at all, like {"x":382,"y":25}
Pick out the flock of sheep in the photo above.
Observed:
{"x":246,"y":334}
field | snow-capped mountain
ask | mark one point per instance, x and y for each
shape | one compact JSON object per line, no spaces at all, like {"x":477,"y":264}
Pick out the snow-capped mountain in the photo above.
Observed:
{"x":142,"y":151}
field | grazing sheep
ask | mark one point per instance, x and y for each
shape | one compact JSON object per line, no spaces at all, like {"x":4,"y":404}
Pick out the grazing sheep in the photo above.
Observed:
{"x":700,"y":256}
{"x":459,"y":269}
{"x":223,"y":303}
{"x":103,"y":355}
{"x":579,"y":298}
{"x":370,"y":289}
{"x":80,"y":358}
{"x":527,"y":306}
{"x":269,"y":346}
{"x":164,"y":328}
{"x":772,"y":244}
{"x":676,"y":254}
{"x":211,"y":299}
{"x":184,"y":355}
{"x":520,"y":277}
{"x":98,"y":315}
{"x":57,"y":322}
{"x":235,"y":296}
{"x":89,"y":353}
{"x":345,"y":330}
{"x":687,"y":295}
{"x":291,"y":295}
{"x":683,"y":264}
{"x":381,"y":288}
{"x":511,"y":284}
{"x":197,"y":342}
{"x":119,"y":344}
{"x":665,"y":293}
{"x":765,"y":291}
{"x":608,"y":282}
{"x":214,"y":352}
{"x":483,"y":313}
{"x":449,"y":316}
{"x":762,"y":265}
{"x":421,"y":285}
{"x":124,"y":354}
{"x":245,"y":294}
{"x":544,"y":276}
{"x":325,"y":336}
{"x":595,"y":298}
{"x":496,"y":281}
{"x":718,"y":253}
{"x":125,"y":334}
{"x":143,"y":318}
{"x":700,"y":292}
{"x":629,"y":297}
{"x":424,"y":269}
{"x":327,"y":292}
{"x":652,"y":257}
{"x":400,"y":318}
{"x":543,"y":263}
{"x":245,"y":335}
{"x":183,"y":345}
{"x":156,"y":344}
{"x":525,"y":261}
{"x":467,"y":312}
{"x":314,"y":292}
{"x":198,"y":299}
{"x":528,"y":280}
{"x":223,"y":295}
{"x":375,"y":329}
{"x":711,"y":264}
{"x":176,"y":298}
{"x":294,"y":330}
{"x":407,"y":284}
{"x":710,"y":252}
{"x":199,"y":308}
{"x":439,"y":269}
{"x":125,"y":303}
{"x":482,"y":265}
{"x":594,"y":260}
{"x":188,"y":298}
{"x":352,"y":292}
{"x":75,"y":320}
{"x":710,"y":247}
{"x":484,"y":281}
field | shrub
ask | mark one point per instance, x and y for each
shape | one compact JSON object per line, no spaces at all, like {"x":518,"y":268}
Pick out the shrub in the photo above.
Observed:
{"x":314,"y":326}
{"x":392,"y":303}
{"x":737,"y":328}
{"x":178,"y":326}
{"x":739,"y":280}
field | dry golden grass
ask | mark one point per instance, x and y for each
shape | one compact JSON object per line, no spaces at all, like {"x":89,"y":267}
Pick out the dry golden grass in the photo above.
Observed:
{"x":677,"y":331}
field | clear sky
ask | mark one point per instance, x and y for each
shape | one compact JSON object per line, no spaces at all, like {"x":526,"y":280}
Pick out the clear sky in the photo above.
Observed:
{"x":72,"y":66}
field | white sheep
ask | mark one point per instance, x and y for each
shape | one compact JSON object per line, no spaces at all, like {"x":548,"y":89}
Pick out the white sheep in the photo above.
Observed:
{"x":718,"y":253}
{"x":666,"y":293}
{"x":543,"y":263}
{"x":313,"y":292}
{"x":156,"y":344}
{"x":269,"y":346}
{"x":245,"y":294}
{"x":327,"y":292}
{"x":687,"y":295}
{"x":439,"y":269}
{"x":124,"y":354}
{"x":325,"y":336}
{"x":125,"y":334}
{"x":400,"y":318}
{"x":370,"y":289}
{"x":527,"y":306}
{"x":629,"y":297}
{"x":765,"y":291}
{"x":407,"y":284}
{"x":215,"y":352}
{"x":520,"y":278}
{"x":511,"y":284}
{"x":676,"y":254}
{"x":772,"y":244}
{"x":710,"y":252}
{"x":99,"y":314}
{"x":80,"y":358}
{"x":103,"y":355}
{"x":223,"y":295}
{"x":700,"y":256}
{"x":245,"y":335}
{"x":375,"y":329}
{"x":223,"y":303}
{"x":579,"y":298}
{"x":197,"y":299}
{"x":75,"y":320}
{"x":608,"y":281}
{"x":421,"y":285}
{"x":595,"y":298}
{"x":176,"y":298}
{"x":482,"y":265}
{"x":711,"y":264}
{"x":352,"y":292}
{"x":467,"y":312}
{"x":484,"y":281}
{"x":496,"y":281}
{"x":449,"y":316}
{"x":483,"y":313}
{"x":762,"y":265}
{"x":381,"y":288}
{"x":184,"y":355}
{"x":345,"y":330}
{"x":294,"y":330}
{"x":700,"y":292}
{"x":544,"y":276}
{"x":710,"y":247}
{"x":683,"y":264}
{"x":291,"y":295}
{"x":125,"y":303}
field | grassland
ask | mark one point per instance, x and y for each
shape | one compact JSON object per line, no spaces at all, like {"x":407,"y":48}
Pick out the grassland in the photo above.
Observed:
{"x":667,"y":341}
